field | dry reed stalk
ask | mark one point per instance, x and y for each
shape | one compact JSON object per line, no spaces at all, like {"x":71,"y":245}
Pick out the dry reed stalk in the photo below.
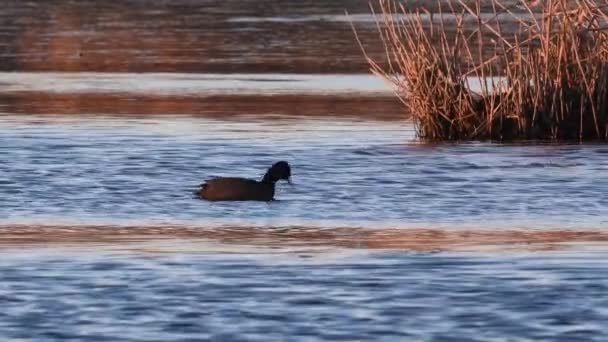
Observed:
{"x":552,"y":70}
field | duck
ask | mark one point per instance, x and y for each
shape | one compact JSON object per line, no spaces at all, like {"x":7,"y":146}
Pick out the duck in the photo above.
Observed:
{"x":245,"y":189}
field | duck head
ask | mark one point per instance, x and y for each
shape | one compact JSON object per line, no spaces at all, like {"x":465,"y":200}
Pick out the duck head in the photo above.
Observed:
{"x":278,"y":171}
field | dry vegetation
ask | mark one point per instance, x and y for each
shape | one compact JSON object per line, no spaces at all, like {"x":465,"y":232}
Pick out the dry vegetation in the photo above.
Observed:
{"x":546,"y":79}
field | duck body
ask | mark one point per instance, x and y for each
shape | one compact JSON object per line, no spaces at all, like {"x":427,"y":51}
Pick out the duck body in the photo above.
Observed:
{"x":244,"y":189}
{"x":236,"y":189}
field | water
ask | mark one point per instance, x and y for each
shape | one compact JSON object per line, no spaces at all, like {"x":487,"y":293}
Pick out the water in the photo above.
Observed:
{"x":365,"y":173}
{"x":210,"y":36}
{"x":382,"y":237}
{"x":370,"y":296}
{"x":209,"y":95}
{"x":198,"y":85}
{"x":102,"y":239}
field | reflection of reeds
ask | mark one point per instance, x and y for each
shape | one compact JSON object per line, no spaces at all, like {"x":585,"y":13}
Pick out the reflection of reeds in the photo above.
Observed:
{"x":553,"y":71}
{"x":227,"y":106}
{"x":288,"y":237}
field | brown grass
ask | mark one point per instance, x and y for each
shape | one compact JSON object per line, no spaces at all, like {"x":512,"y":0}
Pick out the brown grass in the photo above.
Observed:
{"x":553,"y":69}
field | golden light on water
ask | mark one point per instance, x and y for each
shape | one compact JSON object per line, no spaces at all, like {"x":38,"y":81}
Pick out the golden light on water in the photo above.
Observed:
{"x":200,"y":238}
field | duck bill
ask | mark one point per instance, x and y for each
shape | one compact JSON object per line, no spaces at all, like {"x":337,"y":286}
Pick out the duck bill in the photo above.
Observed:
{"x":289,"y":181}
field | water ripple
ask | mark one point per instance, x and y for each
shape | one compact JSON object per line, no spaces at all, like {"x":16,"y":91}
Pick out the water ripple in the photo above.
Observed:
{"x":431,"y":296}
{"x":368,"y":173}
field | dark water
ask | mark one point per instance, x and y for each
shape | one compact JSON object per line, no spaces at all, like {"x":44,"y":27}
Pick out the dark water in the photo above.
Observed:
{"x":381,"y":237}
{"x":182,"y":35}
{"x":193,"y":35}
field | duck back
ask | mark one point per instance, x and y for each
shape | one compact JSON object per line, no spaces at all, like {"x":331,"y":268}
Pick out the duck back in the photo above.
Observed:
{"x":236,"y":189}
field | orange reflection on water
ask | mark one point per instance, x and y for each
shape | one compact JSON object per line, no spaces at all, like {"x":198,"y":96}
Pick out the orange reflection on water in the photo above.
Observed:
{"x":414,"y":239}
{"x":186,"y":36}
{"x":368,"y":107}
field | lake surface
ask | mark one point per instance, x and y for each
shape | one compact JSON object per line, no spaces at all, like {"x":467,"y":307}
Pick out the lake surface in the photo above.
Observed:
{"x":210,"y":36}
{"x":362,"y":173}
{"x":381,"y":237}
{"x":108,"y":295}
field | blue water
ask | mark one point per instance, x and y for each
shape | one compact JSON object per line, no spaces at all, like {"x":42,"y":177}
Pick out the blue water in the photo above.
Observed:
{"x":101,"y":296}
{"x":361,"y":173}
{"x":282,"y":270}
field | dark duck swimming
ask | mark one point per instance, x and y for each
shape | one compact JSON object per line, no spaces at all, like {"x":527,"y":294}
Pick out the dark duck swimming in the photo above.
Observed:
{"x":244,"y":189}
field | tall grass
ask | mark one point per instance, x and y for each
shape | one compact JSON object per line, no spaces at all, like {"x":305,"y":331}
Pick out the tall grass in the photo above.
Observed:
{"x":546,"y":79}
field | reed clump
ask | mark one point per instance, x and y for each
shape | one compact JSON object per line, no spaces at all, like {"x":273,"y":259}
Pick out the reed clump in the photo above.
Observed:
{"x":514,"y":73}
